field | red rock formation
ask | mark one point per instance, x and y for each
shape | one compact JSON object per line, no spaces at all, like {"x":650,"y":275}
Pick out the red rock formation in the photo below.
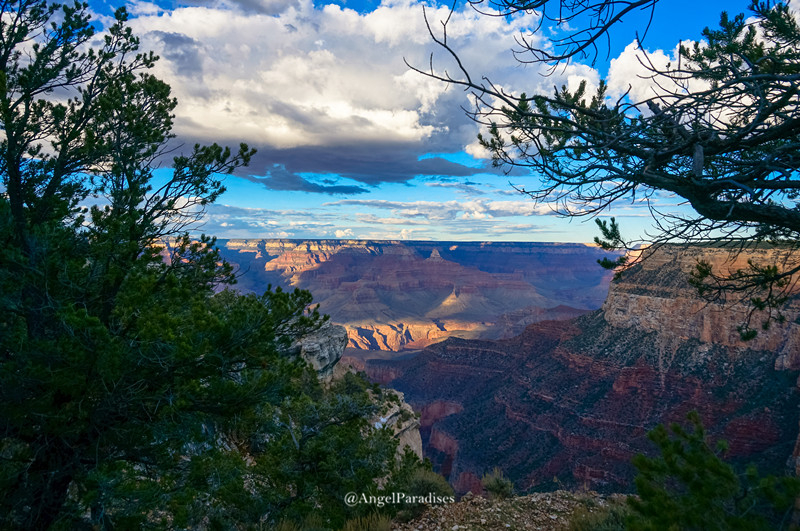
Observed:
{"x":575,"y":399}
{"x":468,"y":482}
{"x":436,"y":411}
{"x":382,"y":374}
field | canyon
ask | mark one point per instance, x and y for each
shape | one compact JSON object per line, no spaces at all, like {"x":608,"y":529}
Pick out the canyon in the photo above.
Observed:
{"x":401,"y":295}
{"x":569,"y":403}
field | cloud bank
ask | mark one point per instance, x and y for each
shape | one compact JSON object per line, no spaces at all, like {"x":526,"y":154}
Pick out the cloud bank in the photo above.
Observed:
{"x":325,"y":89}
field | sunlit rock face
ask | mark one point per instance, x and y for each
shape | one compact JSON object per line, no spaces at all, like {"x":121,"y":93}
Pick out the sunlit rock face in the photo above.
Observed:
{"x":574,"y":400}
{"x":395,"y":295}
{"x":655,"y":295}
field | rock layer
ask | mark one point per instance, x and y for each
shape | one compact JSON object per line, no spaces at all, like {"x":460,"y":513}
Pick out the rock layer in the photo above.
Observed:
{"x":393,"y":295}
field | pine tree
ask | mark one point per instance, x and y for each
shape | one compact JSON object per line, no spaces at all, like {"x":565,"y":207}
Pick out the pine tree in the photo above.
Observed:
{"x":134,"y":390}
{"x":689,"y":486}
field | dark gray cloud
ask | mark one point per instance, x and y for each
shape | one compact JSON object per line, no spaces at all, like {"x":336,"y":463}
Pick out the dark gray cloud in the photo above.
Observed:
{"x":182,"y":51}
{"x":279,"y":178}
{"x":369,"y":163}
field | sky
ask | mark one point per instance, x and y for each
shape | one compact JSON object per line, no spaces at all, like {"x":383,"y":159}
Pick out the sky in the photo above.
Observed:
{"x":351,"y":142}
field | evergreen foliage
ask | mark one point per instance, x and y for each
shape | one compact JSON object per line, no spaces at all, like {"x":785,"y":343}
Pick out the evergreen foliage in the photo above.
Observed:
{"x":688,"y":486}
{"x":135,"y":391}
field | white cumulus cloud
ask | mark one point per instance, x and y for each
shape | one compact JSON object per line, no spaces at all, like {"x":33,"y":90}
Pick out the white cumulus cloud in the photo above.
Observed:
{"x":308,"y":76}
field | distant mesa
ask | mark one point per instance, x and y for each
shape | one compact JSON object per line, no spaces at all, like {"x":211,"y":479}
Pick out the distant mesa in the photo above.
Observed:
{"x":435,"y":256}
{"x":396,"y":295}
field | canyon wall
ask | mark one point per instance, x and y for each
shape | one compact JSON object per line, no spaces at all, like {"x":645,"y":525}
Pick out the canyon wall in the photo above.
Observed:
{"x":395,"y":295}
{"x":655,"y":295}
{"x":569,"y":403}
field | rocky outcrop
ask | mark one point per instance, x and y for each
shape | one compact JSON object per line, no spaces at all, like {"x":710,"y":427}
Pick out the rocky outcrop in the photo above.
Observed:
{"x":399,"y":417}
{"x":393,"y":295}
{"x":322,"y":349}
{"x":574,"y":400}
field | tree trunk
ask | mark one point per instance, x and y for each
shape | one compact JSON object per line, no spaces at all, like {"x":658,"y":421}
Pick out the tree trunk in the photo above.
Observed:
{"x":49,"y":478}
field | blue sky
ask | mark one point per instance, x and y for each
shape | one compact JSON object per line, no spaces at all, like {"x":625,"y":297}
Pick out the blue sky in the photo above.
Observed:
{"x":351,"y":143}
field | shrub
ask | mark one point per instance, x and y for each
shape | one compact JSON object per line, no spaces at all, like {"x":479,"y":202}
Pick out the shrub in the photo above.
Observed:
{"x":425,"y":481}
{"x":609,"y":518}
{"x":372,"y":522}
{"x":497,"y":485}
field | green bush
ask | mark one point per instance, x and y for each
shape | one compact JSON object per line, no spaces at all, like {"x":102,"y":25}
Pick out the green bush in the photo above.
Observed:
{"x":372,"y":522}
{"x":497,"y":485}
{"x":424,"y":482}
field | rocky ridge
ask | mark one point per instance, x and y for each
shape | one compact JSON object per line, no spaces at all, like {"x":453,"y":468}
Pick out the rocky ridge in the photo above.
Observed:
{"x":547,"y":511}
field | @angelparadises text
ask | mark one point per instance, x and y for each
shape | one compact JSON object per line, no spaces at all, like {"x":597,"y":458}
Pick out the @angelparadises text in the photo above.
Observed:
{"x":351,"y":499}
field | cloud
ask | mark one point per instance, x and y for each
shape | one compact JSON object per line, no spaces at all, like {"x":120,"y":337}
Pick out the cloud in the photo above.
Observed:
{"x":451,"y":210}
{"x":368,"y":163}
{"x":632,"y":72}
{"x":371,"y":219}
{"x":350,"y":219}
{"x":325,"y":89}
{"x":464,"y":188}
{"x":183,"y":52}
{"x":278,"y":178}
{"x":263,"y":7}
{"x":231,"y":221}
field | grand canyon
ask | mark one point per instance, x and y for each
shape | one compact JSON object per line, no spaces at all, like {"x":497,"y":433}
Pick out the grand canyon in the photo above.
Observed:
{"x":521,"y":356}
{"x":570,"y":402}
{"x":395,"y":295}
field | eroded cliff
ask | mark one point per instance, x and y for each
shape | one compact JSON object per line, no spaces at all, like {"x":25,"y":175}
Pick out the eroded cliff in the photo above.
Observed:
{"x":573,"y":400}
{"x":655,"y":296}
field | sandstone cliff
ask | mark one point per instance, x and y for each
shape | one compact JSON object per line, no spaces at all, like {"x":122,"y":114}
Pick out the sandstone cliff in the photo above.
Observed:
{"x":393,"y":295}
{"x":573,"y":400}
{"x":654,"y":296}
